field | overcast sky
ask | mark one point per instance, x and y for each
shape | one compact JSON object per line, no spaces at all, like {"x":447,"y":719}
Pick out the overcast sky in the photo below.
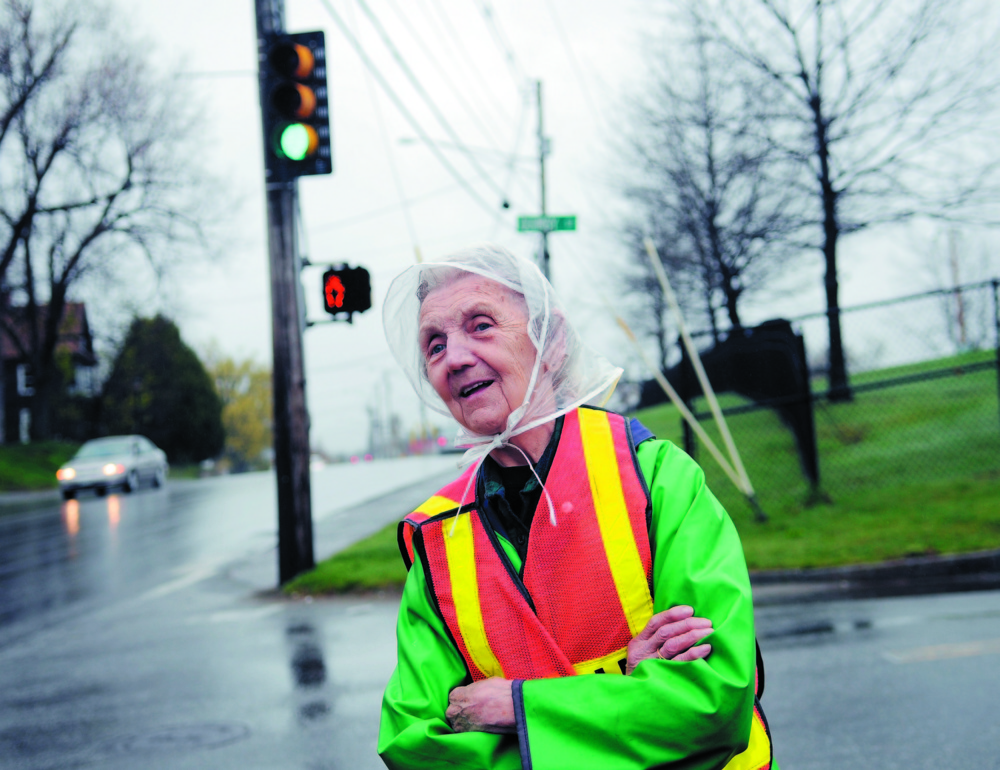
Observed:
{"x":478,"y":60}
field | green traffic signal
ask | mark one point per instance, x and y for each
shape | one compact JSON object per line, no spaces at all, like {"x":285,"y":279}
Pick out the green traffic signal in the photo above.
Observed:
{"x":298,"y":141}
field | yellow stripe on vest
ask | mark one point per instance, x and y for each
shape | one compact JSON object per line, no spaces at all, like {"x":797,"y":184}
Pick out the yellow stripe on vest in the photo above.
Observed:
{"x":612,"y":517}
{"x":609,"y":664}
{"x":461,"y":556}
{"x":436,"y":505}
{"x":758,"y":753}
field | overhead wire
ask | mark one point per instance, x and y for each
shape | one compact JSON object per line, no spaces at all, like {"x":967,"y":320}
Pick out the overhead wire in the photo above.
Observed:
{"x":444,"y":38}
{"x":375,"y":213}
{"x":575,"y":65}
{"x":512,"y":163}
{"x":481,"y":124}
{"x":431,"y":104}
{"x":502,"y":43}
{"x":407,"y":215}
{"x":472,"y":61}
{"x":597,"y":116}
{"x":520,"y":81}
{"x":414,"y":123}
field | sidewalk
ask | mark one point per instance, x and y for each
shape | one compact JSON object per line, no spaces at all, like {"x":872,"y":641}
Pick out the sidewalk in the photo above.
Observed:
{"x":337,"y":531}
{"x":17,"y":502}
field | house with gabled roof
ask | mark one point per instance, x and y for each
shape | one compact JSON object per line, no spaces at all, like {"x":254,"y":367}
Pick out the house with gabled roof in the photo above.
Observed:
{"x":16,"y":377}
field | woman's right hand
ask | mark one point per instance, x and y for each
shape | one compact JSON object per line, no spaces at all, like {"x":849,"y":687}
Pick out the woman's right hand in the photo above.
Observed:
{"x":672,"y":635}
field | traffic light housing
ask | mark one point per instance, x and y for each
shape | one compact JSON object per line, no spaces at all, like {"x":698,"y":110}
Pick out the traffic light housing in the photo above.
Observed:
{"x":295,"y":106}
{"x":346,"y":290}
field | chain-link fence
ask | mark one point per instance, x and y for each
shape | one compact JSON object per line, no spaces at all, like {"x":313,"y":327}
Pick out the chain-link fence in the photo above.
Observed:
{"x":925,"y":407}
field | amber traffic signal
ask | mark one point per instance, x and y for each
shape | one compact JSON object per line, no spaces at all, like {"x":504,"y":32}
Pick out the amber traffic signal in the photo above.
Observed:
{"x":295,"y":106}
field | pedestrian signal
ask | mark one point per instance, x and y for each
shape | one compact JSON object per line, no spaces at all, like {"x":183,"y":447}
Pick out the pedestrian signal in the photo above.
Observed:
{"x":346,"y":290}
{"x":295,"y":106}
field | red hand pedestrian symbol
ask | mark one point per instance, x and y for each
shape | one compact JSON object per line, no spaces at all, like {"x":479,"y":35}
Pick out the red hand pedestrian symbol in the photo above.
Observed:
{"x":334,"y":291}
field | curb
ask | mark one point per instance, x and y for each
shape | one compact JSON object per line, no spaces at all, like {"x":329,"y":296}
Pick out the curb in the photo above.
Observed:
{"x":910,"y":567}
{"x":20,"y":502}
{"x":913,"y":575}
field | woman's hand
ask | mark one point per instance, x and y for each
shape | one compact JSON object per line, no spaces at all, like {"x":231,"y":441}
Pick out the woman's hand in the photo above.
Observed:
{"x":486,"y":706}
{"x":672,"y":635}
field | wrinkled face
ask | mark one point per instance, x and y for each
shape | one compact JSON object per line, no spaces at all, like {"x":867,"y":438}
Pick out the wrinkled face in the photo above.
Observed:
{"x":474,"y":339}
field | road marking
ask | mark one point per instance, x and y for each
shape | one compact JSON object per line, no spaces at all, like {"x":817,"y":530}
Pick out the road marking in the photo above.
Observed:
{"x":235,"y":616}
{"x":944,"y":651}
{"x":184,"y":581}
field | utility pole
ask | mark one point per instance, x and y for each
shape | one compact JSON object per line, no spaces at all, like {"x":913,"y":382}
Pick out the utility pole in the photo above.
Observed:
{"x":544,"y":224}
{"x":543,"y":150}
{"x":291,"y":420}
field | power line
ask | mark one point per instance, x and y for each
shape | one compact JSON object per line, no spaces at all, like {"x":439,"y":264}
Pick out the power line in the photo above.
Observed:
{"x":575,"y":64}
{"x":446,"y":76}
{"x":525,"y":96}
{"x":473,"y":63}
{"x":340,"y":365}
{"x":494,"y":113}
{"x":415,"y":82}
{"x":392,"y":160}
{"x":218,"y":74}
{"x":405,"y":112}
{"x":375,"y":213}
{"x":358,"y":255}
{"x":501,"y":40}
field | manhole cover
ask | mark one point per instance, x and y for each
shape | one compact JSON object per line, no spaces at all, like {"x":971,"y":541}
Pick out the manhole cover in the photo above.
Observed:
{"x":181,"y":738}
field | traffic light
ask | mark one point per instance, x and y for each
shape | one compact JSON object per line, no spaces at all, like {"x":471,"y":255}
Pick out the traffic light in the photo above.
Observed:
{"x":347,"y":290}
{"x":295,"y":106}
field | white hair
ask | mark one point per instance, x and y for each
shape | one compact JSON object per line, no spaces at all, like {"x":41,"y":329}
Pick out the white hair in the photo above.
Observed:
{"x":575,"y":374}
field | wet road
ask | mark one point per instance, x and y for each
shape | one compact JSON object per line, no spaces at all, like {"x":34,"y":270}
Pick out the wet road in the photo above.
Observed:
{"x":909,"y":682}
{"x":135,"y":634}
{"x":136,"y":630}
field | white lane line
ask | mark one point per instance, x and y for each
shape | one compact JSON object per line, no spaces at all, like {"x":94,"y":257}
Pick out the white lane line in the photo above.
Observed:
{"x":235,"y":616}
{"x":944,"y":651}
{"x":177,"y":584}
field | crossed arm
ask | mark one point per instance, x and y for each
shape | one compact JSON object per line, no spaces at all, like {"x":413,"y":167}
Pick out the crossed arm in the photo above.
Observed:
{"x":488,"y":705}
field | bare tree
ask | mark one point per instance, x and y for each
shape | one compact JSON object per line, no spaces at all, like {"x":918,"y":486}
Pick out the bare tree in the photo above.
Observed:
{"x":97,"y":175}
{"x":708,"y":187}
{"x":881,"y":103}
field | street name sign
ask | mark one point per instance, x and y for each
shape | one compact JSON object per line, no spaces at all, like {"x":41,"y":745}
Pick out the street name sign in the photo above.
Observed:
{"x":545,"y":224}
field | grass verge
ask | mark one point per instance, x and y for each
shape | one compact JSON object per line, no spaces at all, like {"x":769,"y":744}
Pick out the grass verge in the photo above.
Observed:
{"x":185,"y":471}
{"x":913,"y":469}
{"x":369,"y":565}
{"x":28,"y":467}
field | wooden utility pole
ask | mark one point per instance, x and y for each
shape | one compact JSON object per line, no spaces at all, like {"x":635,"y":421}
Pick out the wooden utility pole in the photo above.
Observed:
{"x":291,"y":419}
{"x":544,"y":224}
{"x":543,"y":150}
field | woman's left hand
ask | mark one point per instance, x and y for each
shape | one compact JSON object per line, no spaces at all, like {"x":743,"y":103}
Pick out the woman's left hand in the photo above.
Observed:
{"x":486,"y":706}
{"x":673,"y":635}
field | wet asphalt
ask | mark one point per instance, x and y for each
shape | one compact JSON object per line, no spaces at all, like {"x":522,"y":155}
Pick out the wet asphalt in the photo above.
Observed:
{"x":143,"y":631}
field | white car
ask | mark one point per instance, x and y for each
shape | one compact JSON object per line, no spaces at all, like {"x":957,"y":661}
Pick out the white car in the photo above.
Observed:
{"x":116,"y":461}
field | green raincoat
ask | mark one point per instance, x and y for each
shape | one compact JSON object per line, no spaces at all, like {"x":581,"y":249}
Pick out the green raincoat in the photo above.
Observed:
{"x":694,"y":715}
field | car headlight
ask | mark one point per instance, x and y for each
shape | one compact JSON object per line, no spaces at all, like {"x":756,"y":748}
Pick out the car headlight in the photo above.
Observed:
{"x":66,"y":474}
{"x":113,"y":469}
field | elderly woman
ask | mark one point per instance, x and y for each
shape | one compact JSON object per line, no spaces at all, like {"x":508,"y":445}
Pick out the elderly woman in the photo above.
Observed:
{"x":575,"y":544}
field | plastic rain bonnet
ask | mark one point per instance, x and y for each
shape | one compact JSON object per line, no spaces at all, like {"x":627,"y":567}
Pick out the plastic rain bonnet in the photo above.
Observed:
{"x":571,"y":376}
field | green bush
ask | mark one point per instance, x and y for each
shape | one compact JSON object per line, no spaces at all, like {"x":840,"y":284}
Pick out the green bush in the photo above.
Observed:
{"x":26,"y":467}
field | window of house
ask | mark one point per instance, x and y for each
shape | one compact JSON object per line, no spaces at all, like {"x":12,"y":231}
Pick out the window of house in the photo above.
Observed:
{"x":25,"y":382}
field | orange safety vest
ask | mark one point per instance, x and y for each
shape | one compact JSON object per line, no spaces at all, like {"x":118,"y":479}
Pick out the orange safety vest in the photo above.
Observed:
{"x":553,"y":621}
